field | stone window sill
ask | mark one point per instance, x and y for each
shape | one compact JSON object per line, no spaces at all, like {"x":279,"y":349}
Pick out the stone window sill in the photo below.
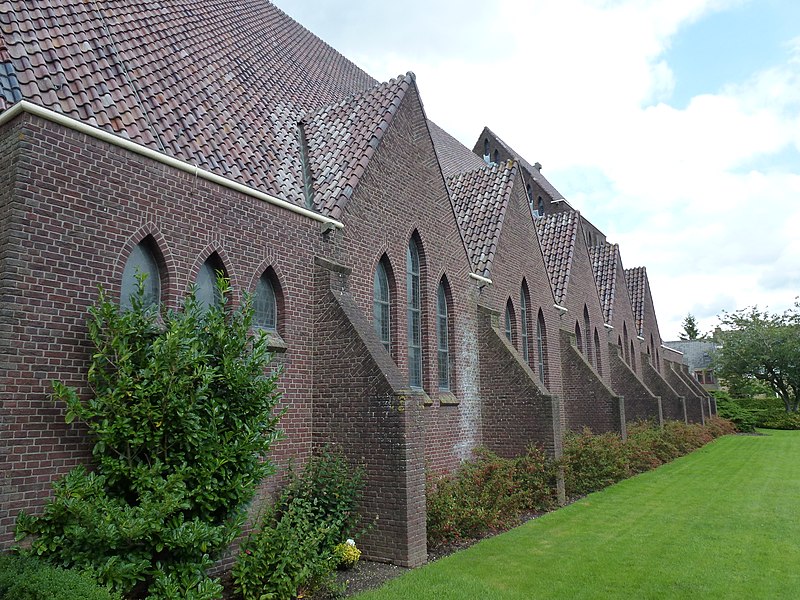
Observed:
{"x":448,"y":399}
{"x":275,"y":342}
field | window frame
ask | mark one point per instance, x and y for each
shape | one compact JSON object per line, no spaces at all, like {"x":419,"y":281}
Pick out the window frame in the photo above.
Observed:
{"x":416,"y":375}
{"x":444,"y":360}
{"x":382,"y":307}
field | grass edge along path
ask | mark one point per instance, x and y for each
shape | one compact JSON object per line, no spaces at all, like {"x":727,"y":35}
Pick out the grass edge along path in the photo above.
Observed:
{"x":720,"y":522}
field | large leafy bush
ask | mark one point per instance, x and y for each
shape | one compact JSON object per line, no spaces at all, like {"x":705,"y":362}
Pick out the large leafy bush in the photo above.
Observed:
{"x":182,"y":417}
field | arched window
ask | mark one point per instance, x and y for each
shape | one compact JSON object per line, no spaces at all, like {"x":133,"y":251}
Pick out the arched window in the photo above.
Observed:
{"x":633,"y":358}
{"x":496,"y":156}
{"x":510,"y":322}
{"x":587,"y":328}
{"x":141,"y":262}
{"x":265,"y":303}
{"x":413,"y":281}
{"x":523,"y":321}
{"x":443,"y":337}
{"x":619,"y":344}
{"x":540,"y":345}
{"x":486,"y":151}
{"x":207,"y":293}
{"x":625,"y":342}
{"x":598,"y":361}
{"x":529,"y":192}
{"x":540,"y":206}
{"x":578,"y":337}
{"x":381,"y":306}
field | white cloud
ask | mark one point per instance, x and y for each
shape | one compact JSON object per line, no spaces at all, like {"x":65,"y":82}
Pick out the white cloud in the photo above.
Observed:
{"x":583,"y":86}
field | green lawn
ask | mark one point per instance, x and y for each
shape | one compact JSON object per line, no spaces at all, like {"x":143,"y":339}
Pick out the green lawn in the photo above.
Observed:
{"x":720,"y":523}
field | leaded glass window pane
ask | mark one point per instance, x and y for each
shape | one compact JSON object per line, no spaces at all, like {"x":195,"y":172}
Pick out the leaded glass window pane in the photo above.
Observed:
{"x":381,"y":307}
{"x":540,"y":345}
{"x":265,"y":305}
{"x":414,"y":316}
{"x":509,"y":325}
{"x":207,"y":293}
{"x":523,"y":313}
{"x":141,"y":261}
{"x":443,"y":335}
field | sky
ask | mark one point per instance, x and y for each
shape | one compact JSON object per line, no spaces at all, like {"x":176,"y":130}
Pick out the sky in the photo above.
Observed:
{"x":672,"y":125}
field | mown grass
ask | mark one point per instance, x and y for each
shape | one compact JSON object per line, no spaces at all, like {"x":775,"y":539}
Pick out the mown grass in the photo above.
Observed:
{"x":721,"y":522}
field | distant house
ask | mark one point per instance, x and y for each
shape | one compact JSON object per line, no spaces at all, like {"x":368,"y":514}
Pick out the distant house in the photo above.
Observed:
{"x":699,"y":354}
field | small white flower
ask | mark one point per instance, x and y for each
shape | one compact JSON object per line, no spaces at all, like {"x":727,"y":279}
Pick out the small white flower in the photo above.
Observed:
{"x":350,"y":542}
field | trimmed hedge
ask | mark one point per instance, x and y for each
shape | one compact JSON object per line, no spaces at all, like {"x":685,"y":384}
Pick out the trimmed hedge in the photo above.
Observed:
{"x":490,"y":493}
{"x":27,"y":578}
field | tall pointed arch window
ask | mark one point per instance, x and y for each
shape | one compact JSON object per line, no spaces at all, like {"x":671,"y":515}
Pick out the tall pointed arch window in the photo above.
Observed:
{"x":443,"y":337}
{"x":598,"y":362}
{"x":265,"y":303}
{"x":540,"y":206}
{"x":578,"y":336}
{"x":510,"y":321}
{"x":633,"y":358}
{"x":381,"y":306}
{"x":625,"y":343}
{"x":523,"y":320}
{"x":540,"y":345}
{"x":587,"y":329}
{"x":413,"y":282}
{"x":141,"y":262}
{"x":207,"y":293}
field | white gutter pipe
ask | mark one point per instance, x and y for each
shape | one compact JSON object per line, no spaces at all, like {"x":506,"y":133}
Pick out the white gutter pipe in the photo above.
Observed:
{"x":110,"y":138}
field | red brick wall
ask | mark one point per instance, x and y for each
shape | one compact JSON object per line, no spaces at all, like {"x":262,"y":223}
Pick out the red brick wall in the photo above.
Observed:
{"x":672,"y":403}
{"x":78,"y":207}
{"x":589,"y":402}
{"x":693,"y":401}
{"x":623,"y":319}
{"x":516,"y":410}
{"x":402,"y":193}
{"x":518,"y":258}
{"x":362,"y":406}
{"x":640,"y":403}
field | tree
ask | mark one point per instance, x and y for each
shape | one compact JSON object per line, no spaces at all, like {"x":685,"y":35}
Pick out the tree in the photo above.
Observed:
{"x":690,"y":330}
{"x":181,"y":416}
{"x":763,"y":346}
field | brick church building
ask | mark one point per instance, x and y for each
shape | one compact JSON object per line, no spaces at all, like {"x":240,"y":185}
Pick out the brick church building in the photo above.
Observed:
{"x":423,"y":298}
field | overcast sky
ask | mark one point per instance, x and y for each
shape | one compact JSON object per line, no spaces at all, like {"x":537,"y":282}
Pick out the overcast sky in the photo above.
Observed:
{"x":672,"y":125}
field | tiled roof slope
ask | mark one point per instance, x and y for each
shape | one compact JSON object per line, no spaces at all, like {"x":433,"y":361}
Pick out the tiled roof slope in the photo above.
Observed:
{"x":636,"y":278}
{"x":480,"y":198}
{"x":9,"y":86}
{"x":218,"y":83}
{"x":558,"y":233}
{"x":604,"y":264}
{"x":535,"y":173}
{"x":454,"y":157}
{"x":343,"y":137}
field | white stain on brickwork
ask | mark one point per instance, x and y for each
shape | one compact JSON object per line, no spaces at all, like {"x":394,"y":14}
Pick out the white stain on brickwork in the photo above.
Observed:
{"x":468,"y":381}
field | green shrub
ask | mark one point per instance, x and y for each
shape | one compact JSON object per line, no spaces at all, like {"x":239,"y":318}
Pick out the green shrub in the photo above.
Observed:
{"x":592,"y":462}
{"x":292,"y":549}
{"x":717,"y":426}
{"x":646,"y":448}
{"x":483,"y":494}
{"x":488,"y":493}
{"x":782,"y":420}
{"x":746,"y":419}
{"x":28,"y":578}
{"x":181,"y":416}
{"x":535,"y":475}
